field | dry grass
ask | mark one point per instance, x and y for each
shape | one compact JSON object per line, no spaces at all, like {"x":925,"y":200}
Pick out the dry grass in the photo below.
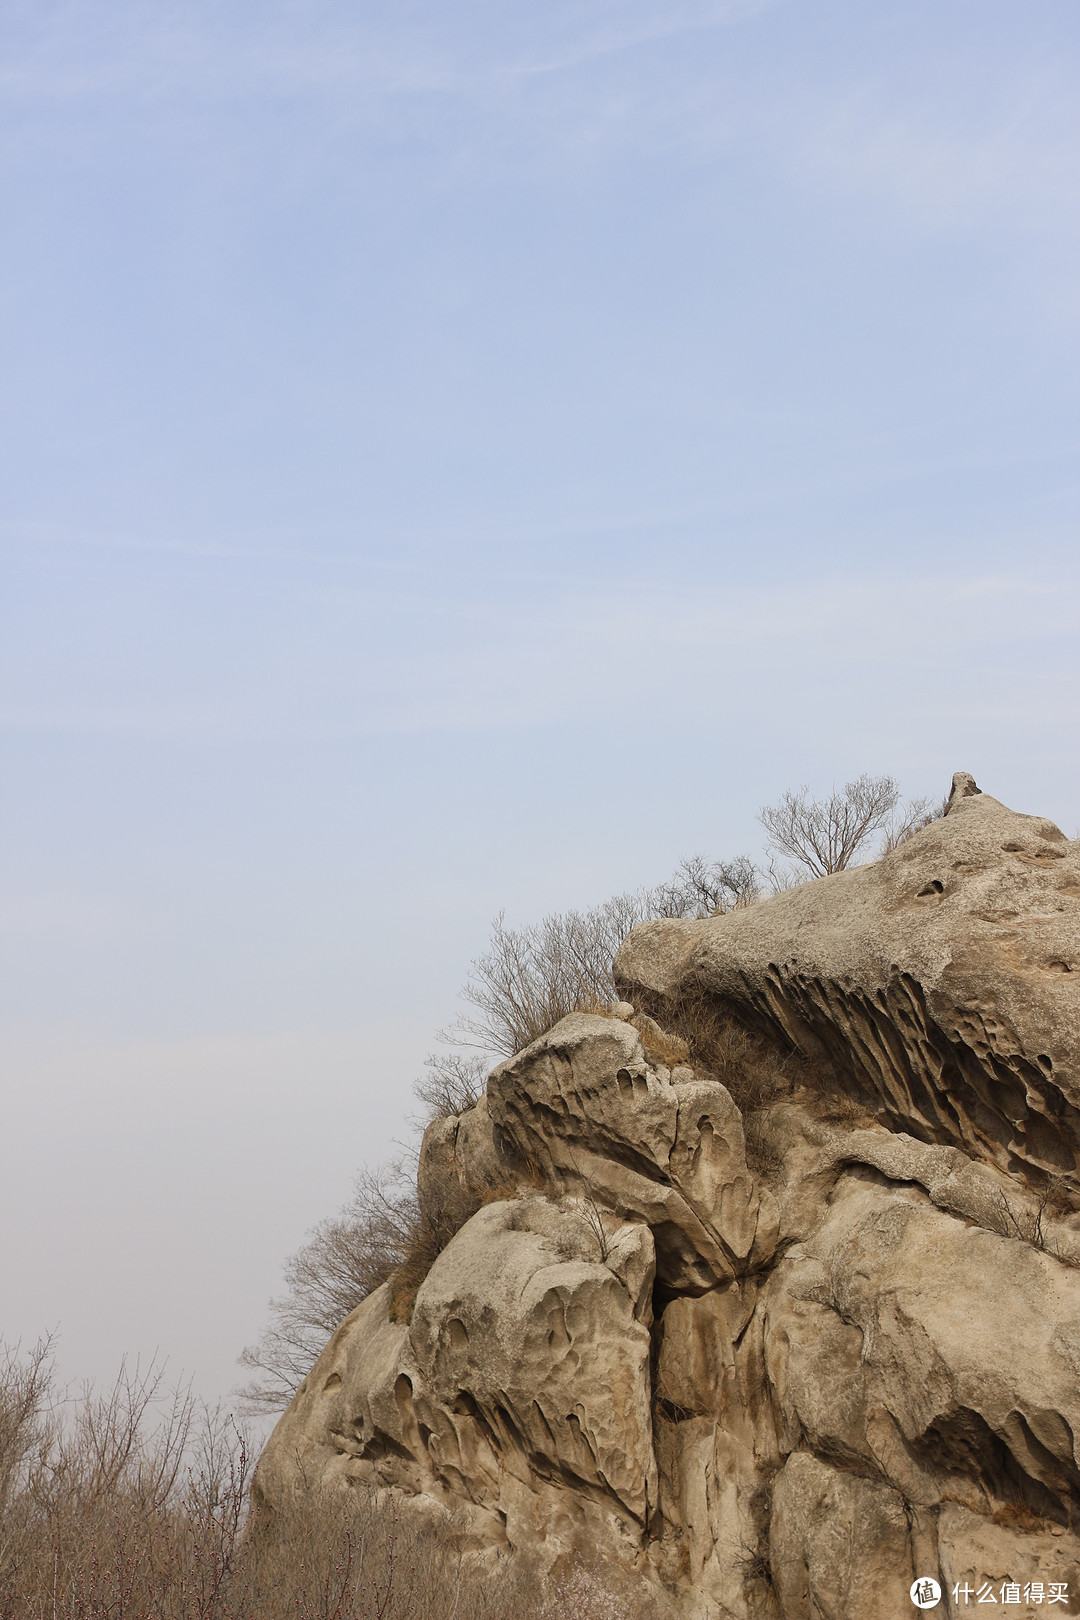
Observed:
{"x":435,"y":1228}
{"x":1018,"y":1516}
{"x":717,"y":1044}
{"x":133,"y":1506}
{"x":661,"y":1046}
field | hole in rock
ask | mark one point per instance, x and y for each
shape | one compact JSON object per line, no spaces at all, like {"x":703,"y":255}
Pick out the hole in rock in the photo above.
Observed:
{"x":458,"y":1332}
{"x":935,"y":886}
{"x":963,"y":1440}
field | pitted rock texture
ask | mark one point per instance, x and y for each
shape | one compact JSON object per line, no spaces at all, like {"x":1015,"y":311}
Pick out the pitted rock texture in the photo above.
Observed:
{"x":942,"y":982}
{"x":655,"y":1145}
{"x":520,"y":1388}
{"x":782,"y":1388}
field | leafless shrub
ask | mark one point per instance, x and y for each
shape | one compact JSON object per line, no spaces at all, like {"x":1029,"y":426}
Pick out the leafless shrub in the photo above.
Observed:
{"x":117,"y":1505}
{"x":382,"y":1235}
{"x":531,"y":977}
{"x":25,"y":1382}
{"x":909,"y":819}
{"x":133,"y":1506}
{"x":1029,"y":1225}
{"x":444,"y":1213}
{"x":782,"y":878}
{"x":755,"y":1567}
{"x":454,"y":1083}
{"x":825,"y":835}
{"x":594,"y":1220}
{"x":345,"y":1258}
{"x":701,"y":888}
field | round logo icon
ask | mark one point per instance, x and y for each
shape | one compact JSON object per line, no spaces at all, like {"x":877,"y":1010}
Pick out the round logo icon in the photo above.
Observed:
{"x":925,"y":1592}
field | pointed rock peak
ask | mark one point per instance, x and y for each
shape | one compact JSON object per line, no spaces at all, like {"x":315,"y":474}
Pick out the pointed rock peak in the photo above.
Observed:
{"x":964,"y":786}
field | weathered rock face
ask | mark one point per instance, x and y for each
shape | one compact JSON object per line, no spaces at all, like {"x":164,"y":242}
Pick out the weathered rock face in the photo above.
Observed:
{"x":939,"y":981}
{"x":520,"y":1389}
{"x":655,"y":1145}
{"x":786,"y":1387}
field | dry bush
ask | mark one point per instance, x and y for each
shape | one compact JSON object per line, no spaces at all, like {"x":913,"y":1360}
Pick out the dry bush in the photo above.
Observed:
{"x":701,"y":888}
{"x":344,"y":1259}
{"x":444,"y":1214}
{"x":531,"y":977}
{"x":123,"y":1505}
{"x":661,"y":1046}
{"x":702,"y":1034}
{"x":1030,"y":1225}
{"x":453,"y":1083}
{"x":382,"y":1235}
{"x":133,"y":1506}
{"x":389,"y":1566}
{"x":763,"y":1152}
{"x":910,"y":819}
{"x":752,"y":1071}
{"x":835,"y":1105}
{"x":1018,"y":1516}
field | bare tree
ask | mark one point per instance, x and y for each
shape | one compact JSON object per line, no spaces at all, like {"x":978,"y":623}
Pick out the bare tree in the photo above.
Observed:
{"x":826,"y":835}
{"x":702,"y":888}
{"x":453,"y":1083}
{"x":530,"y":977}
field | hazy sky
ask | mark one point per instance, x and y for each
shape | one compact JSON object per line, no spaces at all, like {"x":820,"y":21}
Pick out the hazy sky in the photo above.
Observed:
{"x":464,"y":455}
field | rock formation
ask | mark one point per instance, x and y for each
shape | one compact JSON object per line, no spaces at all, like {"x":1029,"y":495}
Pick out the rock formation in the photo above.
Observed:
{"x":779,"y":1325}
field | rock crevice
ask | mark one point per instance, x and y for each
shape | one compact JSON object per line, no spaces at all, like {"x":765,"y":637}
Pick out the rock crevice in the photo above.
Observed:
{"x":782,"y":1386}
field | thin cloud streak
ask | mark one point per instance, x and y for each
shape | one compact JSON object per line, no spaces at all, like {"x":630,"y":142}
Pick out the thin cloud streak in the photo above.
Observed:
{"x":1010,"y":160}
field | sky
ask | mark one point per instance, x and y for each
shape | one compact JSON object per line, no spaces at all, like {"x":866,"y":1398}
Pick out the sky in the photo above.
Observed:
{"x":464,"y":456}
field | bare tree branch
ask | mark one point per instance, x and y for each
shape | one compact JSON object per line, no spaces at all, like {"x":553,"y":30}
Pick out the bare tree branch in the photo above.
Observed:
{"x":825,"y":835}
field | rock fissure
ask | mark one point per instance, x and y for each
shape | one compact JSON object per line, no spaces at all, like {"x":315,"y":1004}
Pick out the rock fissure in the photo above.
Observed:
{"x":782,"y":1387}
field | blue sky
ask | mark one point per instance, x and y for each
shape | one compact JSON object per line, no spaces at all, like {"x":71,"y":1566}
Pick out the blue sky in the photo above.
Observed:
{"x":464,"y":456}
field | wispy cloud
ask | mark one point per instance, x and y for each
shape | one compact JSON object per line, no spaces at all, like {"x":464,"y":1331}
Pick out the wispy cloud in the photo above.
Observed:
{"x":500,"y":86}
{"x":69,"y":51}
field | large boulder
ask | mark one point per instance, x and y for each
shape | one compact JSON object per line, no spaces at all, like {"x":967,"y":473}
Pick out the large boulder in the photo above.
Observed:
{"x":520,"y":1389}
{"x":782,"y":1387}
{"x":942,"y":983}
{"x":584,"y":1106}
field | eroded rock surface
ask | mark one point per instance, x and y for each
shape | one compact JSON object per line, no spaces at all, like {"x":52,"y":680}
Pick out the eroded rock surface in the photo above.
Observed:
{"x":520,"y":1388}
{"x":660,"y":1146}
{"x":943,"y":981}
{"x":784,"y":1386}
